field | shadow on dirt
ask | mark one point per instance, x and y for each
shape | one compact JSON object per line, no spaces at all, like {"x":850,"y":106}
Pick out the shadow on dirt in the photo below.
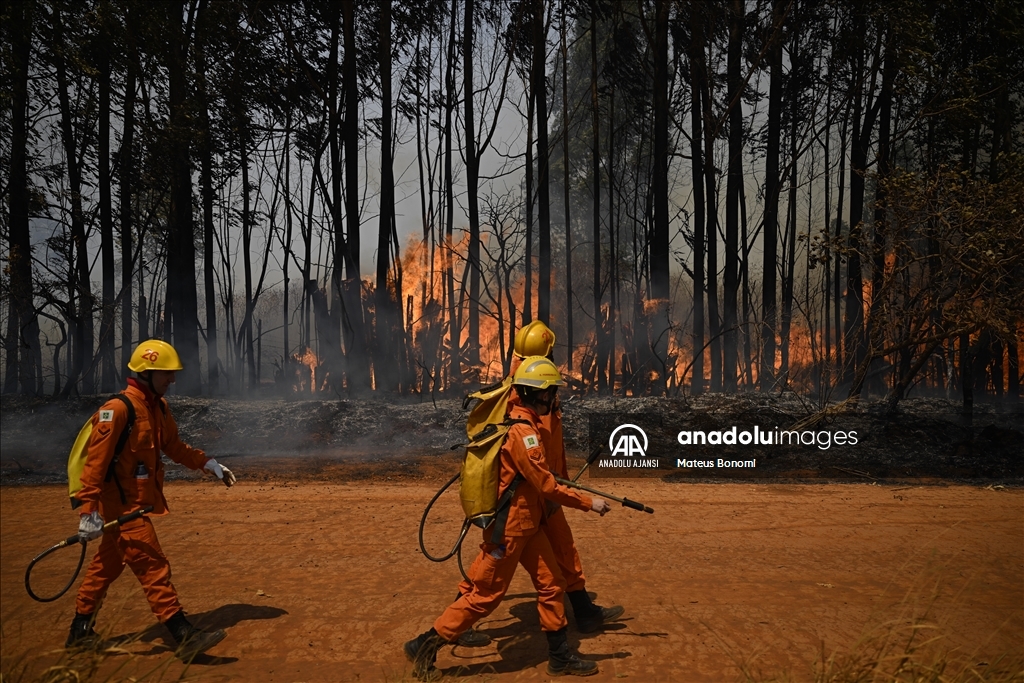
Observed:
{"x":522,"y":645}
{"x":223,"y":617}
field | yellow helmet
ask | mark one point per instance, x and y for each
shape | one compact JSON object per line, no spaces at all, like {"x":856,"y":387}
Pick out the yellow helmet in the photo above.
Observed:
{"x":537,"y":372}
{"x":534,"y":339}
{"x":154,"y":354}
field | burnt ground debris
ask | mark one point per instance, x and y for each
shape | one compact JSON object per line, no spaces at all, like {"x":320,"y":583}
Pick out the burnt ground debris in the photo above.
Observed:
{"x":927,"y":439}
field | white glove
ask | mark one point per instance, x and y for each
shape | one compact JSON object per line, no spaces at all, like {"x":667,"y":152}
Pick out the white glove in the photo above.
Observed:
{"x":219,"y":471}
{"x":90,"y":526}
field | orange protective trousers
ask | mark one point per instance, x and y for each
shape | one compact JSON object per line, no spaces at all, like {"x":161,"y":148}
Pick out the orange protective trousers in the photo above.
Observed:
{"x":135,"y":544}
{"x":492,"y":576}
{"x":556,"y":527}
{"x":560,"y":536}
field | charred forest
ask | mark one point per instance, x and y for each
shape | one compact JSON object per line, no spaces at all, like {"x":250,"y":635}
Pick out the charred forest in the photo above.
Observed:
{"x":341,"y":199}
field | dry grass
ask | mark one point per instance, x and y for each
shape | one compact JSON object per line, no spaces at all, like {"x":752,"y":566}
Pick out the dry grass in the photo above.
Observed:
{"x":111,"y":661}
{"x":902,"y":653}
{"x":913,"y":647}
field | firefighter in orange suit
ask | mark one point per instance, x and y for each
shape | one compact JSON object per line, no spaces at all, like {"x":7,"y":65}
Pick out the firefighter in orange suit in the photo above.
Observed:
{"x":136,"y":480}
{"x":519,"y":538}
{"x":537,"y":339}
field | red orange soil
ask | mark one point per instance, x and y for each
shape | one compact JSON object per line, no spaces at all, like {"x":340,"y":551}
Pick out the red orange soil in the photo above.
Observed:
{"x":318,"y":581}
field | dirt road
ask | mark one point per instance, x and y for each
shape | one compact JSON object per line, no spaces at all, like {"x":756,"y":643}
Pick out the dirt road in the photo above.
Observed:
{"x":324,"y":581}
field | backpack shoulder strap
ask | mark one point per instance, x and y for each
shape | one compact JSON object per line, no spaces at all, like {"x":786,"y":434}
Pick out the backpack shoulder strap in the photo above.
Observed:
{"x":122,"y":441}
{"x":504,"y":503}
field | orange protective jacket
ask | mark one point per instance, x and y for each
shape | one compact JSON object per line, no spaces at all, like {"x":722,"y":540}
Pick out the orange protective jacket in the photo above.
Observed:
{"x":524,"y":452}
{"x":551,"y":429}
{"x":139,"y":469}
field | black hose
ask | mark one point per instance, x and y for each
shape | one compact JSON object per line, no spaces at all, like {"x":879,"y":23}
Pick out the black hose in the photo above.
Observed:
{"x":40,"y":556}
{"x":423,"y":522}
{"x":462,"y":569}
{"x":71,"y":540}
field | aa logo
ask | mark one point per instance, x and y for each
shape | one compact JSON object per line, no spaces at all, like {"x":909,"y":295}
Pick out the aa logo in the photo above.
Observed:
{"x":151,"y":355}
{"x":625,"y":441}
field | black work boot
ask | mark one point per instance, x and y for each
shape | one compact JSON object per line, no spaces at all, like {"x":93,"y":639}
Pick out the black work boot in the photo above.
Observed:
{"x":564,"y":662}
{"x":422,"y":652}
{"x":471,"y":637}
{"x":191,"y":640}
{"x":81,"y":634}
{"x":590,"y":617}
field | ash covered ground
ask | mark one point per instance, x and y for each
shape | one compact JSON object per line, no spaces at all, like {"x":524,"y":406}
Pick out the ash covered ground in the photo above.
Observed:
{"x":927,"y":439}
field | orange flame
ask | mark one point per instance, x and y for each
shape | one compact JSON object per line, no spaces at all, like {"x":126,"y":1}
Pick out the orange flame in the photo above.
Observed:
{"x":307,"y":359}
{"x":427,"y":310}
{"x":424,"y":280}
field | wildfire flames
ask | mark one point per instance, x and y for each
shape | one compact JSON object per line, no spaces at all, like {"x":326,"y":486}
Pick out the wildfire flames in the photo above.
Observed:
{"x":424,"y":282}
{"x":425,"y":286}
{"x":435,"y":303}
{"x":307,"y":359}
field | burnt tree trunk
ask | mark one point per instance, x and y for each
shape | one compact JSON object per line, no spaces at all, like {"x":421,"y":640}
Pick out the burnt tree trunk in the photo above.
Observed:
{"x":126,"y":184}
{"x":22,"y":343}
{"x":659,"y":248}
{"x":882,"y":171}
{"x":348,"y":295}
{"x":613,"y":250}
{"x":79,"y":286}
{"x":207,"y":198}
{"x":770,"y":229}
{"x":696,"y":56}
{"x":967,"y":375}
{"x":1013,"y":366}
{"x":385,"y":368}
{"x":600,"y":336}
{"x":528,"y":180}
{"x":472,"y":181}
{"x":538,"y":79}
{"x":711,"y":199}
{"x":863,"y":123}
{"x":249,"y":352}
{"x":789,"y":269}
{"x":107,"y":309}
{"x":732,"y":197}
{"x":454,"y":333}
{"x":837,"y":276}
{"x":565,"y":187}
{"x":341,"y":259}
{"x":182,"y":304}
